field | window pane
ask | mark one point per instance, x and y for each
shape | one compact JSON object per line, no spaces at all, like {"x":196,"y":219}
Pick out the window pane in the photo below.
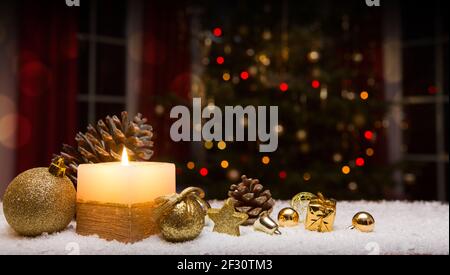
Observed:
{"x":418,"y":20}
{"x":446,"y":72}
{"x":420,"y":133}
{"x":419,"y":70}
{"x":84,"y":18}
{"x":83,"y":67}
{"x":111,"y":18}
{"x":82,"y":116}
{"x":420,"y":181}
{"x":108,"y":109}
{"x":111,"y":69}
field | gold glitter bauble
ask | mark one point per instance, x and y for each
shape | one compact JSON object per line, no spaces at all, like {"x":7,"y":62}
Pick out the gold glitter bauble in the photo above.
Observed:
{"x":288,"y":217}
{"x":181,"y":217}
{"x":364,"y":222}
{"x":37,"y":201}
{"x":184,"y":222}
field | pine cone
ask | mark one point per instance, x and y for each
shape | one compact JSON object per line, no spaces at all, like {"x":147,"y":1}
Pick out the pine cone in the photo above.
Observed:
{"x":105,"y":142}
{"x":250,"y":197}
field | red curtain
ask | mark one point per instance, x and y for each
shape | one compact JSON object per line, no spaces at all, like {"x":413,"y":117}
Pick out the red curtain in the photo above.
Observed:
{"x":166,"y":69}
{"x":48,"y":52}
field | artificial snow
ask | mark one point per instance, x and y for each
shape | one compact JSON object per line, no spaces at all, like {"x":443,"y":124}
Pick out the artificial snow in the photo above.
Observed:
{"x":401,"y":228}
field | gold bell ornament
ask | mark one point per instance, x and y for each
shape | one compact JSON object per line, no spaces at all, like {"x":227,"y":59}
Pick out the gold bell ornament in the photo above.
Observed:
{"x":363,"y":221}
{"x":288,"y":217}
{"x":266,"y":224}
{"x":181,"y":217}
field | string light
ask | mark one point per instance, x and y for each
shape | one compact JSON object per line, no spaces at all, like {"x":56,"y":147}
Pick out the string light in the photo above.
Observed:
{"x":224,"y":164}
{"x":221,"y":145}
{"x":244,"y":75}
{"x":315,"y":84}
{"x":217,"y":32}
{"x":208,"y":145}
{"x":226,"y":77}
{"x":370,"y":152}
{"x":368,"y":135}
{"x":220,"y":60}
{"x":353,"y":186}
{"x":364,"y":95}
{"x":346,"y":170}
{"x":313,"y":56}
{"x":264,"y":60}
{"x":284,"y":87}
{"x":265,"y":160}
{"x":204,"y":172}
{"x":282,"y":175}
{"x":360,"y":162}
{"x":307,"y":176}
{"x":190,"y":165}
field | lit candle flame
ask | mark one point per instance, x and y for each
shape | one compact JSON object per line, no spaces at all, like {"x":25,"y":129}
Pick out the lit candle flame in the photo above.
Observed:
{"x":125,"y":157}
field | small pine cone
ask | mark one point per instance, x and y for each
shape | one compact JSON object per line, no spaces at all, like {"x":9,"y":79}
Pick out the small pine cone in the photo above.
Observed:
{"x":105,"y":141}
{"x":249,"y":196}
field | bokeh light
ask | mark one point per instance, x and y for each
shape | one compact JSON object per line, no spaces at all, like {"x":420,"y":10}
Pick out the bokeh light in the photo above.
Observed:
{"x":204,"y":172}
{"x":217,"y":32}
{"x":190,"y":165}
{"x":284,"y":87}
{"x":221,"y":145}
{"x":244,"y":75}
{"x":360,"y":162}
{"x":346,"y":170}
{"x":224,"y":164}
{"x":209,"y":145}
{"x":282,"y":175}
{"x":226,"y":77}
{"x":364,"y":95}
{"x":265,"y":160}
{"x":315,"y":84}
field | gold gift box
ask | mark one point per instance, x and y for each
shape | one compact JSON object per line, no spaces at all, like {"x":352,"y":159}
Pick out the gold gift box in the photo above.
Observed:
{"x":321,"y":214}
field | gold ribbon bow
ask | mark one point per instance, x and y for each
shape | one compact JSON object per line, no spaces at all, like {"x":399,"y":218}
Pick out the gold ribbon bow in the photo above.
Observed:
{"x":167,"y":202}
{"x":321,"y":214}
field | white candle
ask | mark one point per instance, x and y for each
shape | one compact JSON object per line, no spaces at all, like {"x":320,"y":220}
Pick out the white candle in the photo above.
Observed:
{"x":126,"y":182}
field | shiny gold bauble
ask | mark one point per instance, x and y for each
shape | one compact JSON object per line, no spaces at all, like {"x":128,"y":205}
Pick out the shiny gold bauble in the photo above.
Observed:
{"x":363,"y":221}
{"x":184,"y":222}
{"x":288,"y":217}
{"x":37,"y":201}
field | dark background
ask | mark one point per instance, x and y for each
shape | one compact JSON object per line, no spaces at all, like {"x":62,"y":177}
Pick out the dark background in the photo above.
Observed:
{"x":76,"y":65}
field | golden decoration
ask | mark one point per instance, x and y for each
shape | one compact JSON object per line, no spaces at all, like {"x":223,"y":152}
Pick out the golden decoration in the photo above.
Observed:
{"x":321,"y":214}
{"x":288,"y":217}
{"x":227,"y":220}
{"x":300,"y":204}
{"x":181,"y":217}
{"x":266,"y":224}
{"x":363,"y":221}
{"x":40,"y":200}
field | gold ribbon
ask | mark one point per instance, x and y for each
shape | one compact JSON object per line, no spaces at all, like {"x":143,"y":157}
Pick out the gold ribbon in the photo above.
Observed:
{"x":167,"y":202}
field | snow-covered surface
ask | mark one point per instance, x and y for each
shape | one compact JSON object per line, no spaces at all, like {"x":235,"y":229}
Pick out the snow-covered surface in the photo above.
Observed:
{"x":401,"y":228}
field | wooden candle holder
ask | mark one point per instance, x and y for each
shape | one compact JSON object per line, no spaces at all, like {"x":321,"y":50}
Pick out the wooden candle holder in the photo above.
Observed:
{"x":120,"y":222}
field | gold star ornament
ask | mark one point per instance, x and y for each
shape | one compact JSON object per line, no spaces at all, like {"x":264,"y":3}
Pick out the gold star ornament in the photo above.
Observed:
{"x":227,"y":220}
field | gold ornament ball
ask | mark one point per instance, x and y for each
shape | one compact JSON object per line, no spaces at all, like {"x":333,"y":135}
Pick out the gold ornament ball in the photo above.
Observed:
{"x":37,"y":201}
{"x":184,"y":222}
{"x":363,"y":221}
{"x":288,"y":217}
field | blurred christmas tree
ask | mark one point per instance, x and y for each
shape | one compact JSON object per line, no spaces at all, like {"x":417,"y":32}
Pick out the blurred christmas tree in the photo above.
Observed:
{"x":317,"y":61}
